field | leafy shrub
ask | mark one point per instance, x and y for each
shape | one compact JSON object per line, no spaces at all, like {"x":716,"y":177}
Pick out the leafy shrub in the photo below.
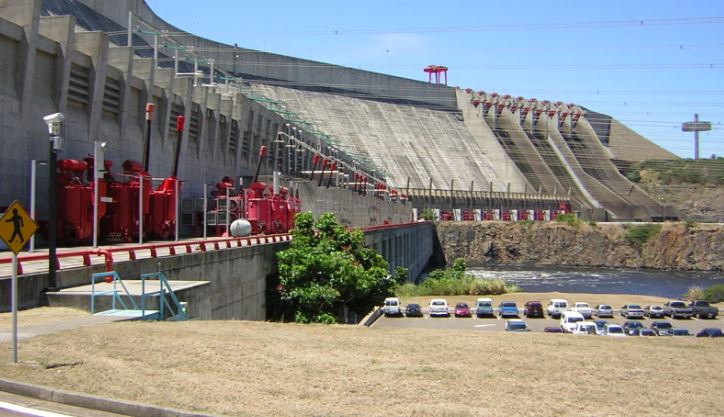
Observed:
{"x":714,"y":294}
{"x":427,"y":214}
{"x":455,"y":281}
{"x":639,"y":235}
{"x":569,"y":219}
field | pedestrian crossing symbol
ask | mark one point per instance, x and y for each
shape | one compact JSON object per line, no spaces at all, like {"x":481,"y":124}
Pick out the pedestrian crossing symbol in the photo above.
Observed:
{"x":16,"y":227}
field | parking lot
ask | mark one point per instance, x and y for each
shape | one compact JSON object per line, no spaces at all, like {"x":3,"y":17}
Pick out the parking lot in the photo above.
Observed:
{"x":534,"y":324}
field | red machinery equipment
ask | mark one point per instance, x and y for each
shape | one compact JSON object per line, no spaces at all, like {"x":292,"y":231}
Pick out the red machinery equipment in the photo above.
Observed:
{"x":266,"y":212}
{"x":121,"y":221}
{"x":75,"y":201}
{"x":468,"y":215}
{"x":162,"y":214}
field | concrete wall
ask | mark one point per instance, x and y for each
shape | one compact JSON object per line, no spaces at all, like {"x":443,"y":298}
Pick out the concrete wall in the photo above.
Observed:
{"x":292,"y":71}
{"x":237,"y":276}
{"x":47,"y":67}
{"x":410,"y":246}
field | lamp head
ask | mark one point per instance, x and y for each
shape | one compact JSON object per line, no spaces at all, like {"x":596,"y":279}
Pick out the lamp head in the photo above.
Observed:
{"x":54,"y":121}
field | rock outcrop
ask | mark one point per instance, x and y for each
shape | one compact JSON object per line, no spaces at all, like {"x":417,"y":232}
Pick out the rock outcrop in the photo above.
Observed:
{"x":677,"y":246}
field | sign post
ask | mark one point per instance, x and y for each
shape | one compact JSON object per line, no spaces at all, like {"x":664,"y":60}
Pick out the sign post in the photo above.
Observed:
{"x":696,"y":126}
{"x":16,"y":228}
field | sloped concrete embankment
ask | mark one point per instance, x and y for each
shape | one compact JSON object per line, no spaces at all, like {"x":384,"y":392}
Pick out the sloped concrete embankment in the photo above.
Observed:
{"x":676,"y":246}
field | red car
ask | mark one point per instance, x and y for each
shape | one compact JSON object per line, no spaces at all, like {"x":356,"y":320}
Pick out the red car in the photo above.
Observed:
{"x":462,"y":310}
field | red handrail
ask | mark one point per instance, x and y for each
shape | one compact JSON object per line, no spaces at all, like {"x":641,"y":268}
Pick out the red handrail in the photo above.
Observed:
{"x":203,"y":245}
{"x":108,"y":252}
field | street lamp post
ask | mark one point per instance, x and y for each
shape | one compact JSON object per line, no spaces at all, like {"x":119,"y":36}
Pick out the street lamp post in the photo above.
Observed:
{"x":33,"y":179}
{"x":54,"y":122}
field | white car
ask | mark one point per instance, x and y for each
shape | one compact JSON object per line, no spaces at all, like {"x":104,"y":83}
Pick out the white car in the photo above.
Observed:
{"x":392,"y":307}
{"x":569,"y":319}
{"x":613,"y":330}
{"x":556,"y":307}
{"x":438,"y":307}
{"x":585,"y":327}
{"x":582,"y":308}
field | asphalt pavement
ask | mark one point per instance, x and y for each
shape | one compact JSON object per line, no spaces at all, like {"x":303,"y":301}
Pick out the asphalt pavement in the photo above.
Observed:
{"x":534,"y":324}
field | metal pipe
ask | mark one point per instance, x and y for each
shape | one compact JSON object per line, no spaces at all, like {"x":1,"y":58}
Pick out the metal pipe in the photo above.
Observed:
{"x":176,"y":232}
{"x":321,"y":175}
{"x":206,"y":209}
{"x":147,"y":146}
{"x":140,"y":208}
{"x":180,"y":120}
{"x":52,"y":215}
{"x":331,"y":173}
{"x":129,"y":41}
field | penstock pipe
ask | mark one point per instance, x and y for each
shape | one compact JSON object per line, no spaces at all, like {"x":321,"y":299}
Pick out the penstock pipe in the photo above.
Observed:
{"x":331,"y":173}
{"x":315,"y":161}
{"x":321,"y":175}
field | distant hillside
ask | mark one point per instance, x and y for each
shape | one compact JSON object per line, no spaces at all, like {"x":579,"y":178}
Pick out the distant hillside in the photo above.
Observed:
{"x":696,"y":188}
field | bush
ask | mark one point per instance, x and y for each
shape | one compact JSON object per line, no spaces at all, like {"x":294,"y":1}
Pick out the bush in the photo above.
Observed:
{"x":714,"y":294}
{"x":639,"y":235}
{"x":694,"y":293}
{"x":455,"y":282}
{"x":569,"y":218}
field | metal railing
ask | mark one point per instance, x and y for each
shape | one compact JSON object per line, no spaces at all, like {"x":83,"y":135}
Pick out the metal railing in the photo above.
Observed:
{"x":163,"y":303}
{"x":197,"y":245}
{"x":115,"y":292}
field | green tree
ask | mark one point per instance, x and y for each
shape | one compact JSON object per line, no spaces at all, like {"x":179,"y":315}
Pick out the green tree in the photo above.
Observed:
{"x":327,"y":270}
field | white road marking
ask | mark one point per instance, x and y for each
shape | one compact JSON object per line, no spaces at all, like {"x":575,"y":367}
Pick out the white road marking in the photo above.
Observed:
{"x":485,"y":325}
{"x":29,"y":411}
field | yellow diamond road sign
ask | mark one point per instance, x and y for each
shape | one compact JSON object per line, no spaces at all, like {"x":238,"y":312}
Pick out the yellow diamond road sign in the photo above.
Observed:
{"x":16,"y":227}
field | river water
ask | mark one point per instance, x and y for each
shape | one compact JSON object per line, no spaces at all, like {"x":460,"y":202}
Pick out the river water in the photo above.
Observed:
{"x":667,"y":284}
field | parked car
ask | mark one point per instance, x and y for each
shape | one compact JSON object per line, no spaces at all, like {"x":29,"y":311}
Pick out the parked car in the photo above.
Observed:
{"x":585,"y":327}
{"x":392,"y":307}
{"x":703,"y":309}
{"x":662,"y":328}
{"x":508,"y":309}
{"x":710,"y":332}
{"x":413,"y":310}
{"x":552,"y":329}
{"x":438,"y":307}
{"x":646,"y":332}
{"x":613,"y":330}
{"x":462,"y":310}
{"x":679,"y":331}
{"x":556,"y":306}
{"x":599,"y":325}
{"x":603,"y":310}
{"x":677,"y":308}
{"x":632,"y":328}
{"x":533,"y":309}
{"x":484,"y":308}
{"x":516,"y":325}
{"x":654,"y":311}
{"x":632,"y":311}
{"x":582,"y":308}
{"x":569,"y":320}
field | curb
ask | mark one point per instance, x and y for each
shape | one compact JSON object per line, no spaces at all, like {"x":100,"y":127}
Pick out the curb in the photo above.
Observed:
{"x":93,"y":402}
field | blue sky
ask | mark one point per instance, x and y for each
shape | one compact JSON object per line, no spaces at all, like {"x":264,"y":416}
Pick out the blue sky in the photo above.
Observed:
{"x":650,"y":64}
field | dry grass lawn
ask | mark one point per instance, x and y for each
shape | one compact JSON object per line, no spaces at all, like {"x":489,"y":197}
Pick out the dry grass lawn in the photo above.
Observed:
{"x":41,"y":315}
{"x":267,"y":369}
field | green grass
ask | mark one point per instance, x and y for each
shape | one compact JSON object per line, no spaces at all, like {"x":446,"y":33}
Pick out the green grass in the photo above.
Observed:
{"x":467,"y":285}
{"x":704,"y":172}
{"x":639,"y":235}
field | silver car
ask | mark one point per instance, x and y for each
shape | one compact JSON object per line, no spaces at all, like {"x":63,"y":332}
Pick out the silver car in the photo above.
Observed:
{"x":603,"y":310}
{"x":632,"y":311}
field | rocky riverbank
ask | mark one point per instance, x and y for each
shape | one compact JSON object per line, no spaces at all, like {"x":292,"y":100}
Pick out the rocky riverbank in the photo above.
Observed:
{"x":678,"y":246}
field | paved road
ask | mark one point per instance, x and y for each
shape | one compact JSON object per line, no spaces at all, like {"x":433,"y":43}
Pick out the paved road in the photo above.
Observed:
{"x":16,"y":405}
{"x":535,"y":325}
